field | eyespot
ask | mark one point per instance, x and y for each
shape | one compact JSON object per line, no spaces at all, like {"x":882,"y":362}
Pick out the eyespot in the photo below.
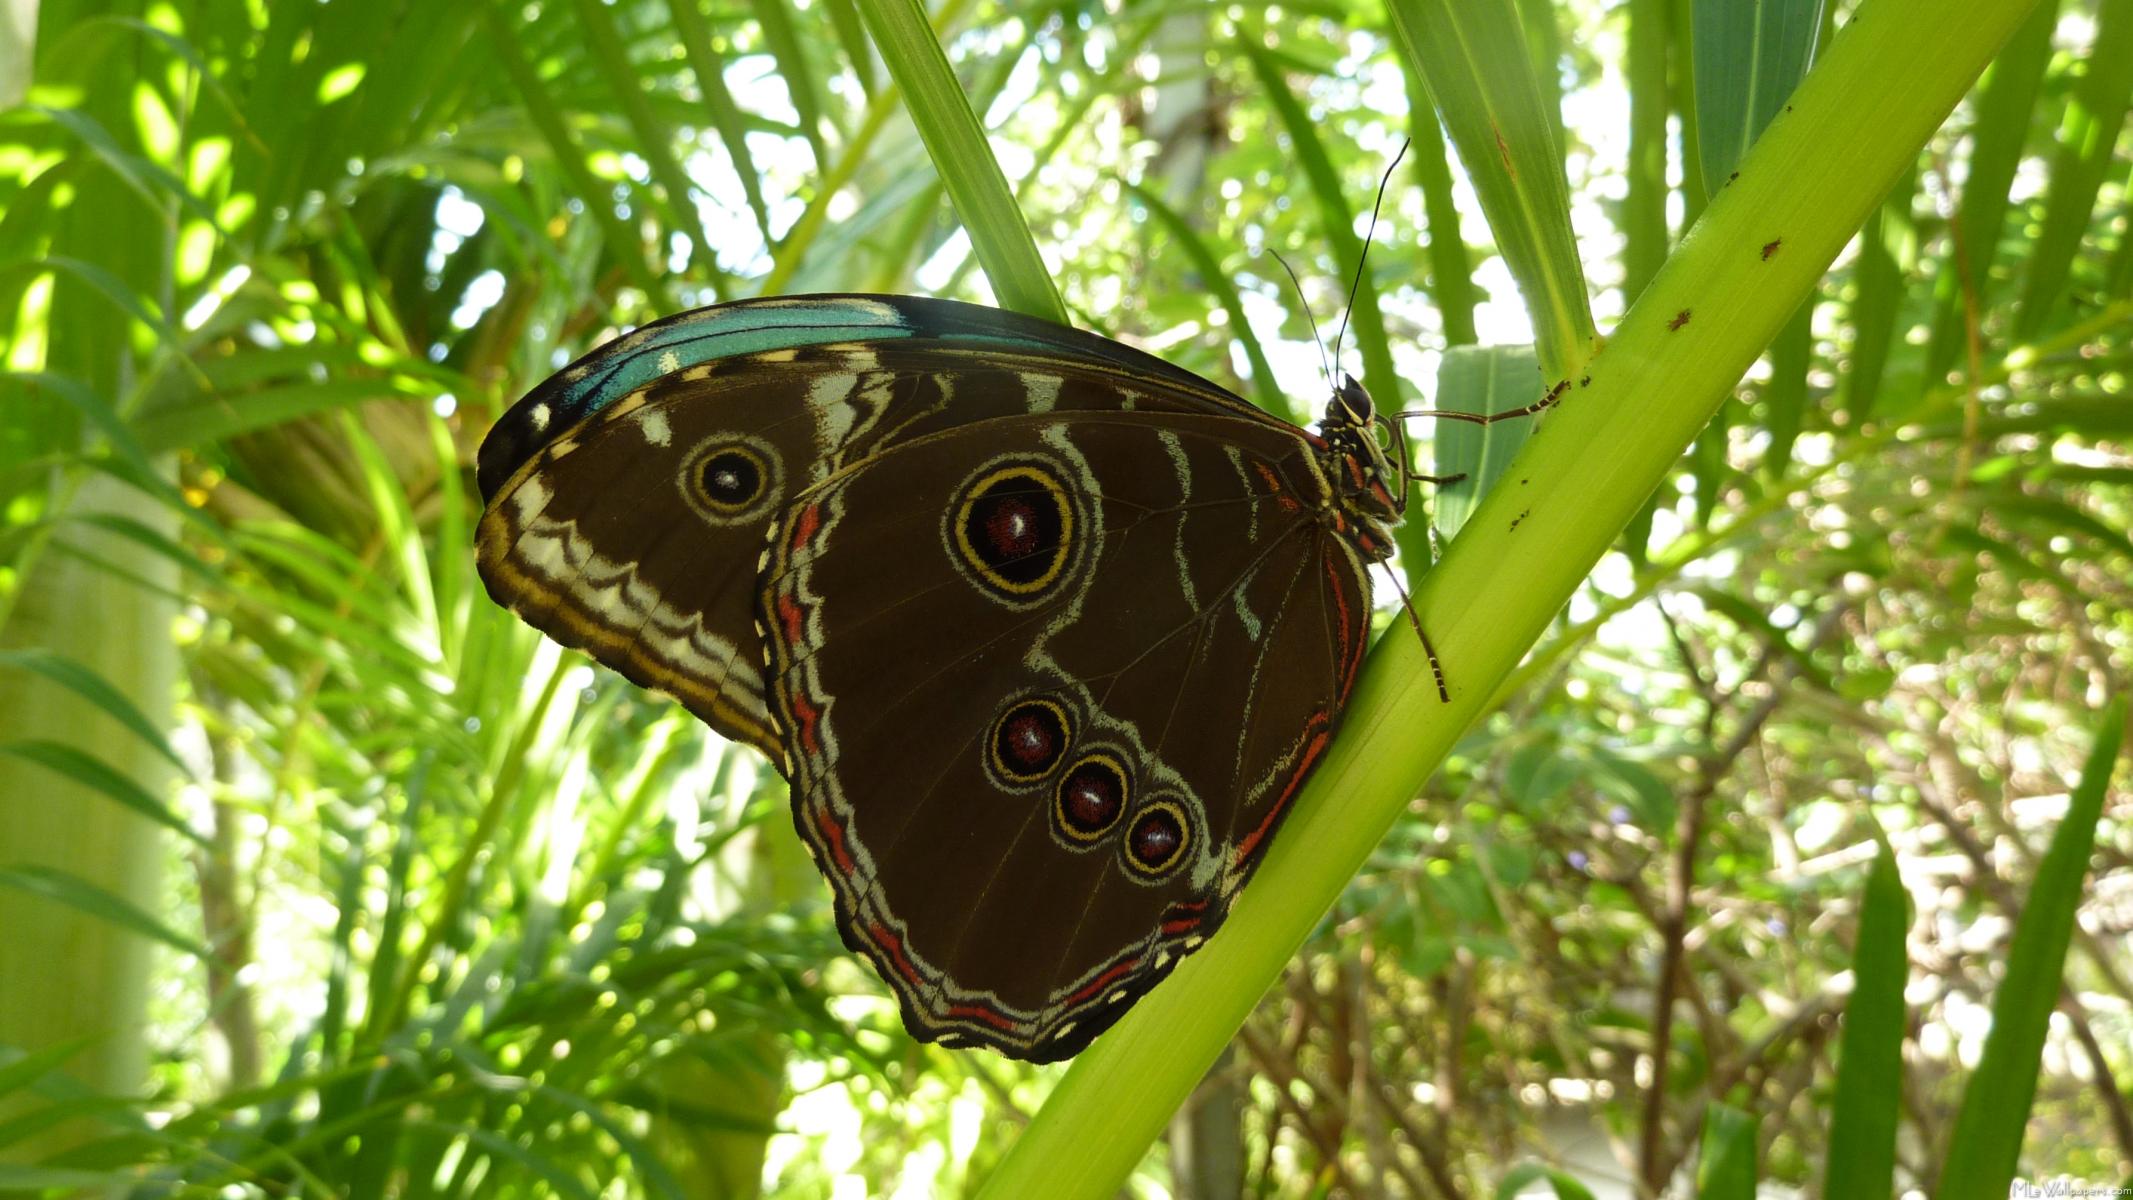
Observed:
{"x":1158,"y":840}
{"x":1012,"y":528}
{"x":1092,"y":795}
{"x":1028,"y":740}
{"x":729,"y":479}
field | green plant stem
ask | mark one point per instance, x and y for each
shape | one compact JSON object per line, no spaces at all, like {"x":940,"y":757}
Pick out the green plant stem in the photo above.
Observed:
{"x":1811,"y":179}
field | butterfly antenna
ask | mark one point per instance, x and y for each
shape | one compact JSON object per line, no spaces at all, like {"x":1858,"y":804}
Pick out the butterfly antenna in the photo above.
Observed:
{"x":1407,"y":604}
{"x":1324,"y":364}
{"x":1364,"y":257}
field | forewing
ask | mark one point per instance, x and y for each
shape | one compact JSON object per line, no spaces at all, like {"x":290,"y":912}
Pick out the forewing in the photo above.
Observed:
{"x":629,"y":497}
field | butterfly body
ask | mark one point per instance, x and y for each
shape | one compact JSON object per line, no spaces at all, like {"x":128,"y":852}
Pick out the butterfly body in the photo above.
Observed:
{"x":1045,"y":633}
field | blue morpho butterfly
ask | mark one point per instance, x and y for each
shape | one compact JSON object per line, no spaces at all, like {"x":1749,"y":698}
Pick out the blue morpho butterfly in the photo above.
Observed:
{"x":1046,"y":633}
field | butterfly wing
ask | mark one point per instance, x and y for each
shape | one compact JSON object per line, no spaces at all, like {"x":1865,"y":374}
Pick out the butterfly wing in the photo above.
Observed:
{"x":629,"y":496}
{"x":1046,"y":684}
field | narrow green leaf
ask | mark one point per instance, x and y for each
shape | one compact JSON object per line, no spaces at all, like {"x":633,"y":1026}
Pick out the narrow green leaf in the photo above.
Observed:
{"x":1451,"y":269}
{"x":1519,"y":1178}
{"x":569,"y":156}
{"x":97,"y":690}
{"x":95,"y":774}
{"x":1644,"y":228}
{"x":1727,"y":1169}
{"x":19,"y":1070}
{"x":1785,"y":399}
{"x":2005,"y":102}
{"x":1336,"y":220}
{"x":1750,"y":54}
{"x":1225,"y":291}
{"x":1985,"y":1146}
{"x":1483,"y":380}
{"x":964,"y":158}
{"x":2088,"y":134}
{"x":710,"y":69}
{"x":211,"y":418}
{"x":655,"y":139}
{"x":79,"y":894}
{"x":781,"y":35}
{"x":1863,"y":1114}
{"x":1471,"y":55}
{"x":1888,"y":247}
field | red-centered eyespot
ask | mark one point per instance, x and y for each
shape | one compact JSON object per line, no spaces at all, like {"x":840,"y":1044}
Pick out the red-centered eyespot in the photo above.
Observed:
{"x":1012,"y":528}
{"x":1029,"y":739}
{"x":1158,"y":839}
{"x":1091,"y":797}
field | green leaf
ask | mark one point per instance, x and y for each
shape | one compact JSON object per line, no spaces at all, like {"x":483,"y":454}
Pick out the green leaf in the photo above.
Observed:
{"x":964,"y":158}
{"x":1519,"y":1178}
{"x":2095,"y":115}
{"x":1451,"y":270}
{"x":95,"y":774}
{"x":2005,"y":103}
{"x":1863,"y":1115}
{"x":1264,"y":388}
{"x":1727,"y":1168}
{"x":97,"y":690}
{"x":1484,"y":381}
{"x":1471,"y":54}
{"x":1750,"y":54}
{"x":79,"y":894}
{"x":1888,"y":247}
{"x":1336,"y":219}
{"x":710,"y":69}
{"x":1985,"y":1146}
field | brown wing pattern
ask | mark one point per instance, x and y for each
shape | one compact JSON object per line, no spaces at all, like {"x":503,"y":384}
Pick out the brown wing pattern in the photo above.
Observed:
{"x":1046,"y":684}
{"x":634,"y":535}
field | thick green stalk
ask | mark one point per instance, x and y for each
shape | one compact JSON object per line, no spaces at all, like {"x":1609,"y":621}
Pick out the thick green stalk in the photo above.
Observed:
{"x":1811,"y":179}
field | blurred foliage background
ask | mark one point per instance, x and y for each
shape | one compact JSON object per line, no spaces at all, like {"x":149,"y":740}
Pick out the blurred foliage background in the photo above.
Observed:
{"x":320,"y":875}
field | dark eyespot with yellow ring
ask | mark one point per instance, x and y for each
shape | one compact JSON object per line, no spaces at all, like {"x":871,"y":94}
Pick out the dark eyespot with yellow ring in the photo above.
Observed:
{"x":1029,"y":740}
{"x":1014,"y":527}
{"x":731,"y":478}
{"x":1091,"y":797}
{"x":1159,"y":839}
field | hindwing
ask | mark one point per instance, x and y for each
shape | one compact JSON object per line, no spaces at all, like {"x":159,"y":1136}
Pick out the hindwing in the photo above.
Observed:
{"x":1046,"y":684}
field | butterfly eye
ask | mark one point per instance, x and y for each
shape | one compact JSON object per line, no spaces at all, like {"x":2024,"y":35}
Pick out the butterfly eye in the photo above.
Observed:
{"x":1158,"y":840}
{"x":1013,"y":529}
{"x":729,"y":481}
{"x":1029,"y":739}
{"x":1091,"y":796}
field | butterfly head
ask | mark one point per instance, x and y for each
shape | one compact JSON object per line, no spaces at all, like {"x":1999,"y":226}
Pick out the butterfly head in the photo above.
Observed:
{"x":1370,"y":480}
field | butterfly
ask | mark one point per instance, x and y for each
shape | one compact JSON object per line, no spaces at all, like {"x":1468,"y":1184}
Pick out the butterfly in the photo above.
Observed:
{"x":1045,"y":633}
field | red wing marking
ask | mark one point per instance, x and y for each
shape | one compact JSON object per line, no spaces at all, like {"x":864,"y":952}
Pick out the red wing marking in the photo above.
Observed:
{"x":895,"y":946}
{"x":803,"y":528}
{"x":1351,"y":641}
{"x":808,"y":715}
{"x":1312,"y":750}
{"x":1384,"y":497}
{"x":1355,"y":469}
{"x":833,"y":833}
{"x":1182,"y":925}
{"x":789,"y":612}
{"x":1102,"y":981}
{"x":1273,"y":486}
{"x":981,"y":1013}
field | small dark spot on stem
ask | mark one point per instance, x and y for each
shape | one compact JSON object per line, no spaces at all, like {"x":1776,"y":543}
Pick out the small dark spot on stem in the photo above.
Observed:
{"x":1585,"y":381}
{"x":1681,"y":318}
{"x":1521,"y":516}
{"x":1771,"y":247}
